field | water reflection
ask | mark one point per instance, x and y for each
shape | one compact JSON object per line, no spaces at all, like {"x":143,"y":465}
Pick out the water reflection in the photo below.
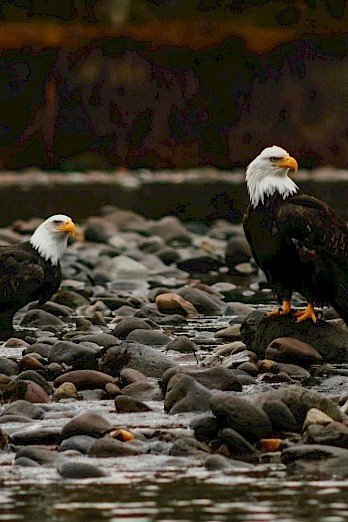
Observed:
{"x":253,"y":500}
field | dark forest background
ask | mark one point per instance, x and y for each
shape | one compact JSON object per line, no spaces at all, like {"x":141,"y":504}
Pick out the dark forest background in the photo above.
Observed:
{"x":171,"y":84}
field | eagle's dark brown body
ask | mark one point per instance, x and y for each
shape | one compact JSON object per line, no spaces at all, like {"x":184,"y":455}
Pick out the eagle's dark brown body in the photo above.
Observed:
{"x":302,"y":245}
{"x":25,"y":276}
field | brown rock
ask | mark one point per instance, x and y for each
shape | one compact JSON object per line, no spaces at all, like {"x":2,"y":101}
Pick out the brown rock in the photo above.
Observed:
{"x":291,"y":350}
{"x":85,"y":379}
{"x":171,"y":303}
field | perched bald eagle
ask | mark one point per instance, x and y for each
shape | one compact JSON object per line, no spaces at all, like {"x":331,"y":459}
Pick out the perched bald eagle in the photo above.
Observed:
{"x":297,"y":240}
{"x":30,"y":271}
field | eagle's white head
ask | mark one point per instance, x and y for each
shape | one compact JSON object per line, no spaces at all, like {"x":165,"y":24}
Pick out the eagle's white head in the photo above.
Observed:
{"x":50,"y":238}
{"x":268,"y":173}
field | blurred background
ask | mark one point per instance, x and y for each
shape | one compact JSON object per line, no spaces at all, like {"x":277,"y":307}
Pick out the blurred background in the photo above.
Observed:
{"x":167,"y":84}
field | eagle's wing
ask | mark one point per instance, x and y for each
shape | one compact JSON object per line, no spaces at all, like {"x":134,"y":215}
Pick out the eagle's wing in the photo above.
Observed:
{"x":314,"y":225}
{"x":19,"y":274}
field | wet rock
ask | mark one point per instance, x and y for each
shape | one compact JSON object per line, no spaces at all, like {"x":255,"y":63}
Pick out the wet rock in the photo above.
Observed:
{"x":237,"y":251}
{"x":143,"y":391}
{"x":67,"y":390}
{"x":281,"y":417}
{"x":42,"y":435}
{"x":130,"y":376}
{"x":25,"y":390}
{"x":236,"y":444}
{"x":145,"y":359}
{"x":79,"y":470}
{"x":220,"y":463}
{"x":293,"y":351}
{"x":87,"y":423}
{"x":231,"y":332}
{"x":182,"y":344}
{"x":172,"y":303}
{"x":171,"y":230}
{"x":26,"y":462}
{"x":39,"y":318}
{"x":57,"y":309}
{"x":299,"y":400}
{"x":332,"y":433}
{"x":79,"y":356}
{"x":329,"y":339}
{"x":8,"y":366}
{"x":148,"y":337}
{"x":243,"y":416}
{"x":81,"y":443}
{"x":42,"y":349}
{"x":42,"y":456}
{"x":85,"y":379}
{"x":130,"y":405}
{"x":188,"y":446}
{"x":109,"y":447}
{"x":184,"y":393}
{"x":127,"y":325}
{"x":293,"y":370}
{"x":206,"y":428}
{"x":23,"y":408}
{"x":29,"y":362}
{"x":218,"y":378}
{"x":315,"y":416}
{"x":70,"y":299}
{"x":101,"y":339}
{"x":202,"y":301}
{"x":31,"y":375}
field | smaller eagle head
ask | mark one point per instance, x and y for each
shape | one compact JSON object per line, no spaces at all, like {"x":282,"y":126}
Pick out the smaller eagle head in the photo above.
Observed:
{"x":50,"y":238}
{"x":268,"y":173}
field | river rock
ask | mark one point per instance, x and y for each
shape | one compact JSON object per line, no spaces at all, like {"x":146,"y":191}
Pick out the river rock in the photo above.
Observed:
{"x":220,"y":463}
{"x":202,"y":301}
{"x":218,"y":378}
{"x":145,"y":359}
{"x":40,"y":455}
{"x":67,"y":390}
{"x":148,"y":337}
{"x":108,"y":447}
{"x":101,"y":339}
{"x":27,"y":390}
{"x":315,"y":416}
{"x":184,"y":393}
{"x":281,"y":417}
{"x":171,"y":230}
{"x":143,"y":391}
{"x":329,"y":339}
{"x":237,"y":446}
{"x":45,"y":435}
{"x":182,"y":344}
{"x":293,"y":351}
{"x":130,"y":405}
{"x":81,"y":443}
{"x":8,"y":366}
{"x":79,"y":356}
{"x":172,"y":303}
{"x":87,"y":423}
{"x":206,"y":428}
{"x":130,"y":376}
{"x":39,"y":318}
{"x":79,"y":470}
{"x":23,"y":409}
{"x":242,"y":415}
{"x":333,"y":434}
{"x":127,"y":325}
{"x":85,"y":379}
{"x":31,"y":375}
{"x":69,"y":298}
{"x":29,"y":362}
{"x":299,"y":400}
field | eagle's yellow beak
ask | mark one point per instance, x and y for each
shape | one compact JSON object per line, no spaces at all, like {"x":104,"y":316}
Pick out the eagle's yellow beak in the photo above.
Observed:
{"x":287,"y":163}
{"x":68,"y":226}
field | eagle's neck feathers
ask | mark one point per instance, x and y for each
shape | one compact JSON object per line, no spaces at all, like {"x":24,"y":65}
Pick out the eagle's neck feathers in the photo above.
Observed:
{"x":50,"y":247}
{"x":262,"y":185}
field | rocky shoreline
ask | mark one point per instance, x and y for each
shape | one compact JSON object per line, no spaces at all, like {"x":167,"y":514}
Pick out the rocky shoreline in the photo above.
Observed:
{"x":157,"y":345}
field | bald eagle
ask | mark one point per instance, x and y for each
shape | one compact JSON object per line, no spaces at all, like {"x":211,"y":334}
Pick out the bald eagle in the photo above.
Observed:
{"x":30,"y":271}
{"x":297,"y":240}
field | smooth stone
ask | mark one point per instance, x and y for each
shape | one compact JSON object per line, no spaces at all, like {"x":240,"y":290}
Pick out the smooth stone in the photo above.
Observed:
{"x":293,"y":351}
{"x":315,"y":416}
{"x":220,"y":463}
{"x":236,"y":445}
{"x":8,"y":367}
{"x":206,"y":429}
{"x":26,"y":390}
{"x":182,"y":344}
{"x":40,"y":455}
{"x":69,"y":298}
{"x":242,"y":415}
{"x":125,"y":404}
{"x":31,"y":375}
{"x":78,"y":356}
{"x":143,"y":391}
{"x":87,"y":423}
{"x":145,"y":359}
{"x":219,"y":378}
{"x":102,"y":339}
{"x":130,"y":375}
{"x":127,"y":325}
{"x":333,"y":434}
{"x":171,"y":230}
{"x":26,"y":463}
{"x":23,"y":409}
{"x":231,"y":332}
{"x":172,"y":303}
{"x":81,"y":443}
{"x":40,"y":348}
{"x":148,"y":337}
{"x":56,"y":309}
{"x":281,"y":417}
{"x":43,"y":435}
{"x":79,"y":470}
{"x":109,"y":447}
{"x":38,"y":318}
{"x":184,"y":393}
{"x":28,"y":362}
{"x":299,"y":400}
{"x":203,"y":302}
{"x":85,"y":379}
{"x":67,"y":390}
{"x":312,"y":451}
{"x":188,"y":446}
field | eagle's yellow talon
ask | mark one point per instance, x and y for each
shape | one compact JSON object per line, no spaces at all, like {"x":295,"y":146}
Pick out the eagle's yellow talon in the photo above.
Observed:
{"x":284,"y":310}
{"x":308,"y":313}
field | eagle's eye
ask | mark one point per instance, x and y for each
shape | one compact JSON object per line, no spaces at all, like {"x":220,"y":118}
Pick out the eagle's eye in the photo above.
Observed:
{"x":273,"y":159}
{"x":56,"y":221}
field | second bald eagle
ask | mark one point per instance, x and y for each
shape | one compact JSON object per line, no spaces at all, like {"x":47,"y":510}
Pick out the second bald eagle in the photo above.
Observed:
{"x":297,"y":240}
